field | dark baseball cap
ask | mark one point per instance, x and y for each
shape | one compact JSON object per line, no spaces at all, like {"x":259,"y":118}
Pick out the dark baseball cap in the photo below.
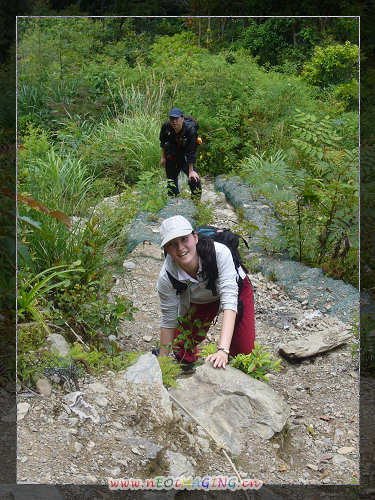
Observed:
{"x":176,"y":113}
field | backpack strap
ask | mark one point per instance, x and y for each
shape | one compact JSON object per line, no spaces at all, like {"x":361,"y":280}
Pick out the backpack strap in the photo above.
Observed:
{"x":179,"y":286}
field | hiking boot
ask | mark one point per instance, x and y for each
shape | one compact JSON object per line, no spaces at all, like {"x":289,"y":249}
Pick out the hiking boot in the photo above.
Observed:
{"x":187,"y":367}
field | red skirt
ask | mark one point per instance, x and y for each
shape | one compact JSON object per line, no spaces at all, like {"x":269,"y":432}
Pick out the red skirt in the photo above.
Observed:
{"x":199,"y":318}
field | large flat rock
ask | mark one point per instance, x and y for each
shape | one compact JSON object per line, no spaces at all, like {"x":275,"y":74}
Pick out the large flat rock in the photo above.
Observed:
{"x":315,"y":344}
{"x":228,"y":401}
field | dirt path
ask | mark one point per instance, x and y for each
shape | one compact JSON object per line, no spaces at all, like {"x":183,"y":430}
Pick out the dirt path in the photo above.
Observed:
{"x":320,"y":445}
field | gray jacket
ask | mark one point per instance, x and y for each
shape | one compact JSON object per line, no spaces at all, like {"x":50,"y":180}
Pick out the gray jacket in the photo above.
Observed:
{"x":174,"y":306}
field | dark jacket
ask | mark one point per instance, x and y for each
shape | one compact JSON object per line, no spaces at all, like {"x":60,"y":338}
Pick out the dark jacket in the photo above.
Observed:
{"x":187,"y":149}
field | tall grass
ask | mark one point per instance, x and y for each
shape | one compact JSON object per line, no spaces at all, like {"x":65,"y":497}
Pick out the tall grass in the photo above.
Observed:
{"x":86,"y":241}
{"x":124,"y":147}
{"x":59,"y":182}
{"x":67,"y":177}
{"x":148,"y":97}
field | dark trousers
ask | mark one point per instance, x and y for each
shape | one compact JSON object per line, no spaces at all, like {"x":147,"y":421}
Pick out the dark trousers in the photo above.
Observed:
{"x":200,"y":317}
{"x":173,"y":166}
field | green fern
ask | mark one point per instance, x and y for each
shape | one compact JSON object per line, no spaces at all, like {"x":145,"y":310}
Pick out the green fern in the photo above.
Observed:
{"x":170,"y":370}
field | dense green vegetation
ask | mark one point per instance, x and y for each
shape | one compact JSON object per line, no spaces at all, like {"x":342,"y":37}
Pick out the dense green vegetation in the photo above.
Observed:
{"x":276,"y":101}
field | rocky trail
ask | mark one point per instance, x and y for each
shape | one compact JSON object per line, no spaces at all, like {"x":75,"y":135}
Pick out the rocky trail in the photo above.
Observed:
{"x":301,"y":428}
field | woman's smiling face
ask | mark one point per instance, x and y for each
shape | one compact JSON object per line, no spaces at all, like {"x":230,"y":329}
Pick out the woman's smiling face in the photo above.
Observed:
{"x":183,"y":251}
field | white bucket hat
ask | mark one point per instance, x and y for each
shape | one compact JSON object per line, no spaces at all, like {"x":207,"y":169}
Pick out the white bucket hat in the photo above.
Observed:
{"x":174,"y":227}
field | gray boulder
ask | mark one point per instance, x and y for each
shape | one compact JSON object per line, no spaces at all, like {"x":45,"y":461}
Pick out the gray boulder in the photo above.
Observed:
{"x":57,"y":343}
{"x":22,"y":409}
{"x":147,"y":382}
{"x":314,"y":344}
{"x":226,"y":401}
{"x":44,"y":387}
{"x":146,"y":369}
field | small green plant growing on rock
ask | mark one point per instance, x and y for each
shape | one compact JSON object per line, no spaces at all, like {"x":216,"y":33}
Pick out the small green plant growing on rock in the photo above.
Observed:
{"x":169,"y":371}
{"x":257,"y":363}
{"x":101,"y":361}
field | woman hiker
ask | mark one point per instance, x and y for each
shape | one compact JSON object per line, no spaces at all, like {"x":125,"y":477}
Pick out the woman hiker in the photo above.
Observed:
{"x":206,"y":271}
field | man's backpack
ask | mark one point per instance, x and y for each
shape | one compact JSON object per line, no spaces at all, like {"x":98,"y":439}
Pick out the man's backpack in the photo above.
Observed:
{"x":192,"y":122}
{"x":229,"y":239}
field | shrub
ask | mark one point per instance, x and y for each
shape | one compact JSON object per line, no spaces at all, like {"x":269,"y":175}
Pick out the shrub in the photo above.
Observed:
{"x":204,"y":215}
{"x":34,"y":364}
{"x":58,"y":180}
{"x":152,"y":188}
{"x":315,"y":194}
{"x":348,"y":93}
{"x":34,"y":289}
{"x":36,"y":143}
{"x":91,"y":314}
{"x":208,"y":349}
{"x":335,"y":64}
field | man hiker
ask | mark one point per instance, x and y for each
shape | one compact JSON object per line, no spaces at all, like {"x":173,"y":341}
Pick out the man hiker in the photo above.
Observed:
{"x":179,"y":142}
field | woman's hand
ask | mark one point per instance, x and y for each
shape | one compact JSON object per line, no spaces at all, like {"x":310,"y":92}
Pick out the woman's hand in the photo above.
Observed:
{"x":219,"y":359}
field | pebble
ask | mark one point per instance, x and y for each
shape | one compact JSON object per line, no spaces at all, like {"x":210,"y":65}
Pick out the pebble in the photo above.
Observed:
{"x":345,"y":450}
{"x":90,"y":445}
{"x":101,"y":401}
{"x":115,"y":472}
{"x":97,"y":387}
{"x":78,"y":447}
{"x":313,"y":467}
{"x":129,"y":265}
{"x":22,"y":409}
{"x":339,"y":433}
{"x":147,"y":338}
{"x":341,"y":460}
